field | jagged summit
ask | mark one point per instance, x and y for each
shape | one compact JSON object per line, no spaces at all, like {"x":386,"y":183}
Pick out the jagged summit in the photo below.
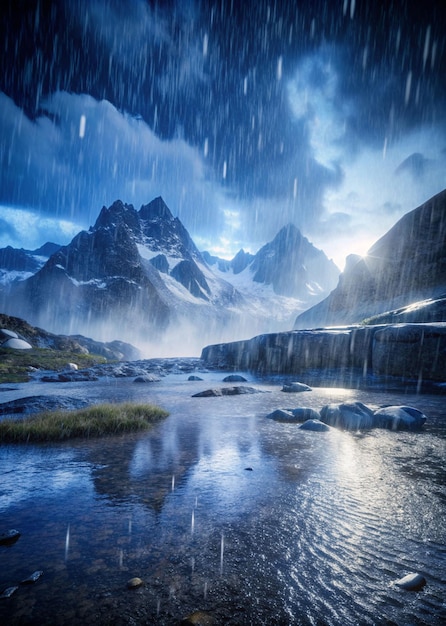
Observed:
{"x":155,"y":209}
{"x":117,"y":214}
{"x":292,"y":265}
{"x":138,"y":276}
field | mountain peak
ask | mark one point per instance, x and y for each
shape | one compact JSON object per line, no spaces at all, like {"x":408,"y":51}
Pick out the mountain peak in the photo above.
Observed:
{"x":117,"y":214}
{"x":155,"y":208}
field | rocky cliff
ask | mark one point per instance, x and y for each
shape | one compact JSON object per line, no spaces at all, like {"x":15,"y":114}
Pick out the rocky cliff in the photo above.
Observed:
{"x":349,"y":355}
{"x":406,"y":265}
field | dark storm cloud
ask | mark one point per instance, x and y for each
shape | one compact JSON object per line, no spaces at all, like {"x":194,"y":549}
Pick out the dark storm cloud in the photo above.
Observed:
{"x":266,"y":103}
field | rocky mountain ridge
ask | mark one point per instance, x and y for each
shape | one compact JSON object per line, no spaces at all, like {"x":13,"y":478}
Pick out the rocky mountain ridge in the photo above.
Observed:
{"x":138,"y":275}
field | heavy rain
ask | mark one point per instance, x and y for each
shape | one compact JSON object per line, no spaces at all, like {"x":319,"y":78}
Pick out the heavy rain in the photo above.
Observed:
{"x":235,"y":211}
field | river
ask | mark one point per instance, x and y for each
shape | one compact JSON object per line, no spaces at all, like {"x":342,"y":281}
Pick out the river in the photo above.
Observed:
{"x":219,"y":509}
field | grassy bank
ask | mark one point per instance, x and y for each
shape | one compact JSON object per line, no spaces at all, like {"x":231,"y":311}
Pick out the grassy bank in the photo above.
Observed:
{"x":94,"y":421}
{"x":15,"y":364}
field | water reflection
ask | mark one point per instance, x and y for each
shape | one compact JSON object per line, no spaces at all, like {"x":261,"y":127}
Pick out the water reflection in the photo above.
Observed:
{"x":317,"y":528}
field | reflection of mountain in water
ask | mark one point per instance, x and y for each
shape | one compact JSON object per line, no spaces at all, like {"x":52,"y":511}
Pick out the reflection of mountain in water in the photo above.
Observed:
{"x":145,"y":467}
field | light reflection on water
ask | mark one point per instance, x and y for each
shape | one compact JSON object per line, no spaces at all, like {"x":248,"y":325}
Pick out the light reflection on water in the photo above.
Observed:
{"x":220,"y":509}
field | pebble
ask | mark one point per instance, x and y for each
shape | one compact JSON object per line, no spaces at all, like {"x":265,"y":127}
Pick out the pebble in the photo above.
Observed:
{"x":134,"y":583}
{"x":198,"y":618}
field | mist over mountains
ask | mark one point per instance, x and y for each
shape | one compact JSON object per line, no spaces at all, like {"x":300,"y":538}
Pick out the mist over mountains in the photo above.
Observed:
{"x":137,"y":276}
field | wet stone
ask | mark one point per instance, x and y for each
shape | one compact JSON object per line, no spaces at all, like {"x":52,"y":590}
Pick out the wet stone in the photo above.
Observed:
{"x":315,"y":426}
{"x":9,"y":537}
{"x":234,"y":378}
{"x":295,"y":388}
{"x":134,"y":583}
{"x":147,"y":378}
{"x":226,"y":391}
{"x":7,"y":593}
{"x":198,"y":618}
{"x":34,"y":577}
{"x":411,"y":582}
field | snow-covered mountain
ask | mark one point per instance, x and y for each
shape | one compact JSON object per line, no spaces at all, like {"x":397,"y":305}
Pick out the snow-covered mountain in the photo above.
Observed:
{"x":137,"y":276}
{"x":19,"y":264}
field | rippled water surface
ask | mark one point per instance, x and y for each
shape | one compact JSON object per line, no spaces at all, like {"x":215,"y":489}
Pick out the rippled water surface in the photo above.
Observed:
{"x":220,"y":509}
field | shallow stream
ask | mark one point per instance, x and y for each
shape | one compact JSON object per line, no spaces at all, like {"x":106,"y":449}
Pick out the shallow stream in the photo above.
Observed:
{"x":222,"y":510}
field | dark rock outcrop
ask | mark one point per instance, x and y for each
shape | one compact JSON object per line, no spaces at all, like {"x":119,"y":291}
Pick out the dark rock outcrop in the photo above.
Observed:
{"x":39,"y":338}
{"x":405,"y":351}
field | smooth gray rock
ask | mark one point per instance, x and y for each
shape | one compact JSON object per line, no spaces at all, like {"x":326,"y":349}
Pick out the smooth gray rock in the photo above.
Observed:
{"x":146,"y":378}
{"x":348,"y":415}
{"x":399,"y":418}
{"x":411,"y":582}
{"x":295,"y":387}
{"x":315,"y":425}
{"x":234,"y":378}
{"x":282,"y":415}
{"x":226,"y":391}
{"x":303,"y":413}
{"x":191,"y":378}
{"x":7,"y":334}
{"x":16,"y":344}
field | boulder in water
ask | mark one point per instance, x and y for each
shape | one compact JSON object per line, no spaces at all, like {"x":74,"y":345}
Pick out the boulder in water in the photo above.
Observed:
{"x":234,"y":378}
{"x":315,"y":426}
{"x":146,"y":378}
{"x":411,"y":582}
{"x":348,"y":415}
{"x":399,"y":418}
{"x":295,"y":387}
{"x":281,"y":415}
{"x":303,"y":413}
{"x":226,"y":391}
{"x":9,"y":537}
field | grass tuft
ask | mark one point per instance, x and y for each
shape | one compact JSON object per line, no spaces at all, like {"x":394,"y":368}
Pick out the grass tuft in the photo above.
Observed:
{"x":94,"y":421}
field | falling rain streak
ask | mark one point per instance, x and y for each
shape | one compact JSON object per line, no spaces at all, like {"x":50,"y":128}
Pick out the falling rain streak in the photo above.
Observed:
{"x":67,"y":542}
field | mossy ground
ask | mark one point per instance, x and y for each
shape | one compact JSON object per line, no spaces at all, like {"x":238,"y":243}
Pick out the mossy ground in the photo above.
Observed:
{"x":15,"y":364}
{"x":94,"y":421}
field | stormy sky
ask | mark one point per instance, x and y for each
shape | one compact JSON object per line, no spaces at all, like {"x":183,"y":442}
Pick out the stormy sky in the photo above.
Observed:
{"x":243,"y":116}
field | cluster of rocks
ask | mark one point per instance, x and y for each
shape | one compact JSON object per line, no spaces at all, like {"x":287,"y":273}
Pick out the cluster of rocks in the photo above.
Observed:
{"x":352,"y":416}
{"x":146,"y":370}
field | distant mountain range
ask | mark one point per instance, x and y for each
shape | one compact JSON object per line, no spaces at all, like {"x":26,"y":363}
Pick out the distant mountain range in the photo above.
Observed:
{"x":137,"y":276}
{"x":401,"y":279}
